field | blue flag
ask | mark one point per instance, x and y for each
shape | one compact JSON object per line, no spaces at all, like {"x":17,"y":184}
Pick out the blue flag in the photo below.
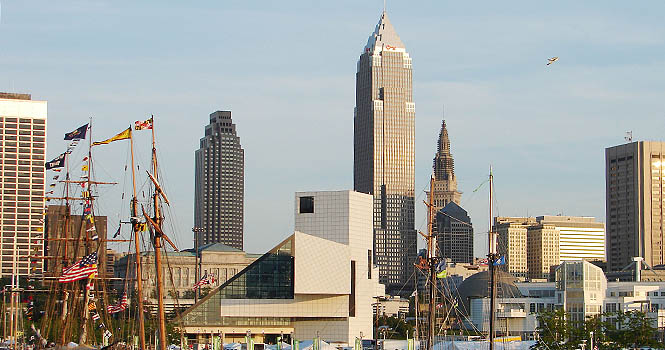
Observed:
{"x":500,"y":261}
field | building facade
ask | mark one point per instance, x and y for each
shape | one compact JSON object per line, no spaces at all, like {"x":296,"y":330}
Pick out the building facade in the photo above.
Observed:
{"x":445,"y":183}
{"x":512,"y":243}
{"x":580,"y":288}
{"x":384,"y":150}
{"x":65,"y":233}
{"x":219,"y":188}
{"x":634,"y":180}
{"x":320,"y":281}
{"x":454,"y":234}
{"x":22,"y":180}
{"x":542,"y":250}
{"x":217,"y":259}
{"x":533,"y":245}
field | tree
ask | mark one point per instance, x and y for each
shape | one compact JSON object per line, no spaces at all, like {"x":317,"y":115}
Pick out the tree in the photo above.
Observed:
{"x":610,"y":330}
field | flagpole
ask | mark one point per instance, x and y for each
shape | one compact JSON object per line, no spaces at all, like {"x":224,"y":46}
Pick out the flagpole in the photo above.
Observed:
{"x":135,"y":227}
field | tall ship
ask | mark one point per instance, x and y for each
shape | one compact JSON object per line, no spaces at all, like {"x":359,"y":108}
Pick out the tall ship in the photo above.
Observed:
{"x":75,"y":300}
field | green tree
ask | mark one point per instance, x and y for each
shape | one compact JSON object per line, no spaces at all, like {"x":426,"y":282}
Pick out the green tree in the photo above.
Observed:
{"x":610,"y":331}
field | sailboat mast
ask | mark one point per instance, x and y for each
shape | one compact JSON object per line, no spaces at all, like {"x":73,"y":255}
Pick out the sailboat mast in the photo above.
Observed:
{"x":86,"y":314}
{"x":491,"y":260}
{"x":158,"y":249}
{"x":137,"y":238}
{"x":431,"y":254}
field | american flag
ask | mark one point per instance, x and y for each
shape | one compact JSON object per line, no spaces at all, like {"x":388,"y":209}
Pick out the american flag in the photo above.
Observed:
{"x":82,"y":269}
{"x":121,"y":305}
{"x":207,"y":279}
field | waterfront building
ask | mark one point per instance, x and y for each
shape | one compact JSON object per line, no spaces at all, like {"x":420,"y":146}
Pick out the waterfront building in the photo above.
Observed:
{"x":634,"y":201}
{"x":217,"y":259}
{"x":219,"y":185}
{"x":384,"y":151}
{"x":22,"y":157}
{"x":320,"y":280}
{"x":580,"y":288}
{"x":454,"y":234}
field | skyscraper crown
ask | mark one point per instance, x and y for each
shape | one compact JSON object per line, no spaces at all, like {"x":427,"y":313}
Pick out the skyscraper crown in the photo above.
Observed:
{"x":384,"y":36}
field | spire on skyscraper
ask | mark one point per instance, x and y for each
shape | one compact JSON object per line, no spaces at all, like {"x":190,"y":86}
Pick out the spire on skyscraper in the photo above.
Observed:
{"x":444,"y":165}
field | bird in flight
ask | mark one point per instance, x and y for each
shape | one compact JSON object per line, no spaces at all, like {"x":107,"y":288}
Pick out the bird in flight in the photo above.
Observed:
{"x":552,"y":60}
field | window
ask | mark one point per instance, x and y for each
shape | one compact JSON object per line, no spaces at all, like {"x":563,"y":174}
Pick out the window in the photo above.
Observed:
{"x":306,"y":205}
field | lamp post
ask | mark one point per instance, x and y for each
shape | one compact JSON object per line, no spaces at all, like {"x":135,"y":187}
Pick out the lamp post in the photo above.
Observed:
{"x":197,"y":261}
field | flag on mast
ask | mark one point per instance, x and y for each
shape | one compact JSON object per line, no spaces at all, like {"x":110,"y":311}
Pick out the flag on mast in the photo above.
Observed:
{"x":82,"y":269}
{"x":123,"y":135}
{"x":143,"y":125}
{"x":77,"y":134}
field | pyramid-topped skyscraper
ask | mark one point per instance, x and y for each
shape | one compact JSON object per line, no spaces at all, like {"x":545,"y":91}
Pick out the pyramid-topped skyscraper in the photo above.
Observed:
{"x":384,"y":151}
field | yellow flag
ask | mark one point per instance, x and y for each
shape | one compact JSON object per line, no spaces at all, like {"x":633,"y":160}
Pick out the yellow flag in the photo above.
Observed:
{"x":125,"y":134}
{"x":84,"y":168}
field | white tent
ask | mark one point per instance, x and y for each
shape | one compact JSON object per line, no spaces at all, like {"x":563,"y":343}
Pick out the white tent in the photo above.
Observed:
{"x":481,"y":345}
{"x":308,"y":345}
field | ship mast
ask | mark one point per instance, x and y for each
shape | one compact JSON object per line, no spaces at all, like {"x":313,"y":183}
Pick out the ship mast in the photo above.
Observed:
{"x":157,"y":242}
{"x":491,"y":260}
{"x":432,"y":262}
{"x":137,"y":238}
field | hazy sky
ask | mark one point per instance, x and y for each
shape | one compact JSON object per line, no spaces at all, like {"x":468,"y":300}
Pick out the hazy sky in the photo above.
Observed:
{"x":286,"y":69}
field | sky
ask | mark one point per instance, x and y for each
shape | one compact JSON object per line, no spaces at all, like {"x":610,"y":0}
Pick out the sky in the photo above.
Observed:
{"x":286,"y":70}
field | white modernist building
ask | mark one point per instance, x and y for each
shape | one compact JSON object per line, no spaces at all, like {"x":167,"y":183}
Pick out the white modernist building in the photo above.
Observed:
{"x":320,"y":280}
{"x":581,"y":289}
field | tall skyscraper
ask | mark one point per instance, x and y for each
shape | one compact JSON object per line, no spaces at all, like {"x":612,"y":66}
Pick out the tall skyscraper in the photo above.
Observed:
{"x":384,"y":133}
{"x":219,"y":188}
{"x":634,"y":203}
{"x":23,"y":137}
{"x":445,"y":182}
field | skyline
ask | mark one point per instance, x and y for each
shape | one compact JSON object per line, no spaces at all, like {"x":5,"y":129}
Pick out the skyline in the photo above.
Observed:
{"x":485,"y":63}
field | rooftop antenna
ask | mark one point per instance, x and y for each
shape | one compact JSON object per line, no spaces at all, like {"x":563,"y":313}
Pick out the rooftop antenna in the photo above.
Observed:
{"x":384,"y":6}
{"x":629,"y":136}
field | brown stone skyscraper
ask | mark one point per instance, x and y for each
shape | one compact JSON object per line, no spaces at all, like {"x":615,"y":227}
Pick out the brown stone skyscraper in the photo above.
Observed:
{"x":445,"y":182}
{"x":384,"y":150}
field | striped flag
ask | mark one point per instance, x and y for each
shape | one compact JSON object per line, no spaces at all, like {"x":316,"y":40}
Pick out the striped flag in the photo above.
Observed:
{"x":95,"y":317}
{"x":121,"y":305}
{"x":82,"y":269}
{"x":206,"y":279}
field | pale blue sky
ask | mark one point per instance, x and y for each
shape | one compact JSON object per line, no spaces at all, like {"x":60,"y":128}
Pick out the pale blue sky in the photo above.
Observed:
{"x":286,"y":69}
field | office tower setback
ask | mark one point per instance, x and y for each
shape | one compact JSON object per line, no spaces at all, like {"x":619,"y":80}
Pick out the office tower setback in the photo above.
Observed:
{"x":445,"y":182}
{"x":455,"y":234}
{"x":219,"y":184}
{"x":634,"y":201}
{"x":384,"y":133}
{"x":22,"y":156}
